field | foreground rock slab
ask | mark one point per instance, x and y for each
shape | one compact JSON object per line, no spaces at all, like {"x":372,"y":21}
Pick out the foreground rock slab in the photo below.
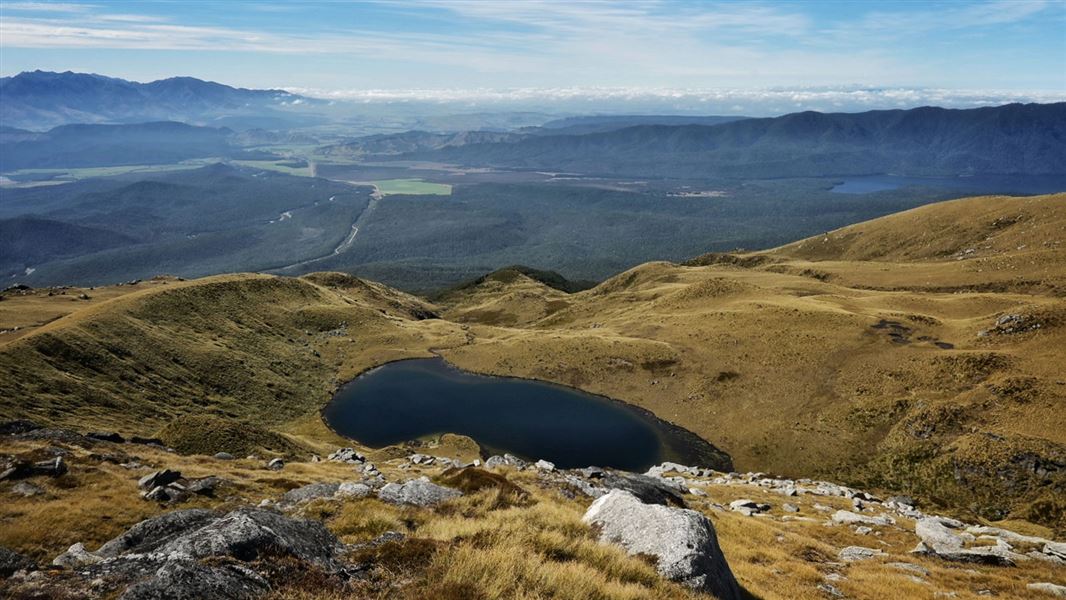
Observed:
{"x":683,"y":541}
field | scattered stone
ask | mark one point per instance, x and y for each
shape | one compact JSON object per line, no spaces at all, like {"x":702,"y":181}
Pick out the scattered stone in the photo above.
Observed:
{"x":508,"y":460}
{"x":1058,"y":591}
{"x":346,"y":455}
{"x":418,"y":492}
{"x":166,"y":493}
{"x":902,"y":501}
{"x":204,"y":486}
{"x":15,"y":468}
{"x":544,"y":465}
{"x":223,"y":456}
{"x":158,"y":479}
{"x":792,"y":508}
{"x":421,"y":459}
{"x":314,"y":491}
{"x":26,"y":489}
{"x":75,"y":557}
{"x":1057,"y":549}
{"x":275,"y":464}
{"x":845,"y":517}
{"x":863,"y":530}
{"x":748,"y":507}
{"x":940,"y":538}
{"x":856,"y":553}
{"x":683,"y":541}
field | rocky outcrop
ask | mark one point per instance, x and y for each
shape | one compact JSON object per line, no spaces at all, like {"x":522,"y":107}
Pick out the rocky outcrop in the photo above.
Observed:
{"x":683,"y":541}
{"x":181,"y":579}
{"x":191,"y":554}
{"x":151,"y":534}
{"x":418,"y":492}
{"x":944,"y":538}
{"x":15,"y":468}
{"x":11,"y":561}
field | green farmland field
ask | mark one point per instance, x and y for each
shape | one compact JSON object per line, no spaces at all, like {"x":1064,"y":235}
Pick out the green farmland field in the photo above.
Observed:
{"x":412,"y":186}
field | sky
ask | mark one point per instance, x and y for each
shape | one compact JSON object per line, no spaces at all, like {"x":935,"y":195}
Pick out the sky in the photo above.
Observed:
{"x":734,"y":56}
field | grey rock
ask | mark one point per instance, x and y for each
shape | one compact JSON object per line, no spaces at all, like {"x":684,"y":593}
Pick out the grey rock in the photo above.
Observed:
{"x":166,"y":493}
{"x":943,"y":538}
{"x":683,"y":541}
{"x":544,"y":465}
{"x":903,"y":501}
{"x":346,"y":455}
{"x":275,"y":464}
{"x":246,"y":533}
{"x":314,"y":491}
{"x":354,"y":489}
{"x":845,"y":517}
{"x":223,"y":456}
{"x":863,"y":530}
{"x":205,"y":486}
{"x":27,"y":489}
{"x":508,"y":460}
{"x":1056,"y":549}
{"x":11,"y":561}
{"x":792,"y":508}
{"x":14,"y":468}
{"x":158,"y":478}
{"x":748,"y":507}
{"x":76,"y":556}
{"x":856,"y":553}
{"x":650,"y":490}
{"x":418,"y":492}
{"x":151,"y":534}
{"x":190,"y":580}
{"x":1058,"y":591}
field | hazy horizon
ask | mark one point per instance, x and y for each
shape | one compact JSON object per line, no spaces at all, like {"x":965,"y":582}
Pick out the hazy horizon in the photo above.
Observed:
{"x":658,"y":56}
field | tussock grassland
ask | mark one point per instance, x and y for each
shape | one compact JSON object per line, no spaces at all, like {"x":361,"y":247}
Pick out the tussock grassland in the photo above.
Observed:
{"x":862,"y":361}
{"x":495,"y":543}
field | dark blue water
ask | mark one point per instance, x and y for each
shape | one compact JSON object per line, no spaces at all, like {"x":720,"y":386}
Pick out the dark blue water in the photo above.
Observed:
{"x":411,"y":399}
{"x":977,"y":185}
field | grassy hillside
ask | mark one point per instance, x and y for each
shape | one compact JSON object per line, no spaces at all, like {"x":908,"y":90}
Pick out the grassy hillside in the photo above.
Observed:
{"x":875,"y":363}
{"x":253,"y":349}
{"x":797,"y":367}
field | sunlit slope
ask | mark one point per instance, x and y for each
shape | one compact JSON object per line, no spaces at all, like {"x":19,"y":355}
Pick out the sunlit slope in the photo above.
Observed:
{"x":794,"y":369}
{"x":992,"y":243}
{"x":253,"y":348}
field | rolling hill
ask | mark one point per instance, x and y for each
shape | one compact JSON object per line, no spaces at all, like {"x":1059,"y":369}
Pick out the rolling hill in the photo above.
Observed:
{"x":857,"y":369}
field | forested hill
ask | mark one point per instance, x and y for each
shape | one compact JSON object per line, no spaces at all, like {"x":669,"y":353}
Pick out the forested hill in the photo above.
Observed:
{"x":1011,"y":139}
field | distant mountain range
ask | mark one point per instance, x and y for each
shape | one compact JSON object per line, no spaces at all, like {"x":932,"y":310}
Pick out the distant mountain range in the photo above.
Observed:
{"x":41,"y":99}
{"x":1012,"y":139}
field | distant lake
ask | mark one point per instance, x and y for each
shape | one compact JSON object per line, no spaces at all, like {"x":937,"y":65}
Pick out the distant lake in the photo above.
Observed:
{"x":412,"y":399}
{"x":979,"y":185}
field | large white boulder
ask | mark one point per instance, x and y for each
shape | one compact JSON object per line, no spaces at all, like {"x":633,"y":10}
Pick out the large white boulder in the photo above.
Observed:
{"x":683,"y":541}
